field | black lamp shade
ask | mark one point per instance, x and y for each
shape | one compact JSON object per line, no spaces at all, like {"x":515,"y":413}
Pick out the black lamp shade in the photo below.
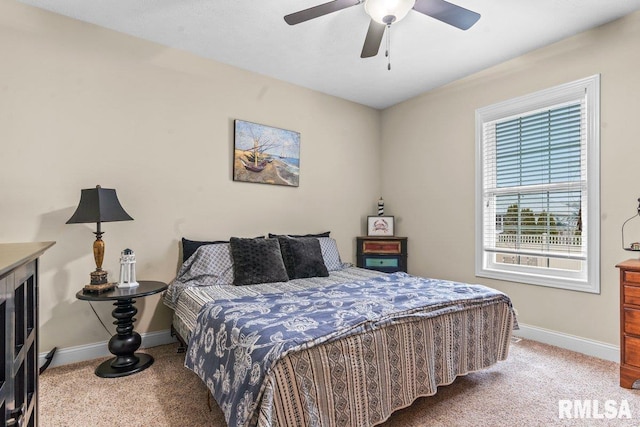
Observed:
{"x":99,"y":205}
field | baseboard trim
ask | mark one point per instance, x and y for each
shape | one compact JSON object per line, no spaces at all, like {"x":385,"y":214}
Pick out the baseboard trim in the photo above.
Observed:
{"x":570,"y":342}
{"x":81,"y":353}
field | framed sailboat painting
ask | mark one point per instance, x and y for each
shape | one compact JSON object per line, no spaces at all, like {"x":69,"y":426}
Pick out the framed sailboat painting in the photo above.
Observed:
{"x":265,"y":155}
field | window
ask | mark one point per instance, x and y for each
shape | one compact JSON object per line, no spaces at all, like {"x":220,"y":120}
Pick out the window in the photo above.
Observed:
{"x":537,"y":192}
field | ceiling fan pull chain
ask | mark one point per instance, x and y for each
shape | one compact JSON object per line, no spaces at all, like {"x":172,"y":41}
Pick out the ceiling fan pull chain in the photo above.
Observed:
{"x":388,"y":51}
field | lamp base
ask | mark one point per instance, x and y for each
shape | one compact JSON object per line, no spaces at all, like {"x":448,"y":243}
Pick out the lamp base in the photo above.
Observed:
{"x":98,"y":289}
{"x":98,"y":277}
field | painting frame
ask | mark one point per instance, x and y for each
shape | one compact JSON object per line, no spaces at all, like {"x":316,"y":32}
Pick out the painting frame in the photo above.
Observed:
{"x":383,"y":225}
{"x":265,"y":154}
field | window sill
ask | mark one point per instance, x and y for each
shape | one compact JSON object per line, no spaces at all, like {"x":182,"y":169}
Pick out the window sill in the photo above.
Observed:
{"x":570,"y":284}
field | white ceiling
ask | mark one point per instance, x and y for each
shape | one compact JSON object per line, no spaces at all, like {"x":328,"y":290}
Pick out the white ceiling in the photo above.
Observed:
{"x":324,"y":54}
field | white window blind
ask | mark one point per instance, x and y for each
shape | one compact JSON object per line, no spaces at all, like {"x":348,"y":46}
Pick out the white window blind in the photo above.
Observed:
{"x":535,"y":189}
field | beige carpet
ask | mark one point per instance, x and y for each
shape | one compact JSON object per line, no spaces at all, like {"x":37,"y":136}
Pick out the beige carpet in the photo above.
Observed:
{"x":522,"y":391}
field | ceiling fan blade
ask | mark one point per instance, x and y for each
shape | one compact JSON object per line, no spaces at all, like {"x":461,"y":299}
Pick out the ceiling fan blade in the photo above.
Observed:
{"x":320,"y":10}
{"x":373,"y":40}
{"x":448,"y":13}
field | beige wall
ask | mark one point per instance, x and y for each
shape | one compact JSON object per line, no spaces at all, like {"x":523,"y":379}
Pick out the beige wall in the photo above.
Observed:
{"x":429,"y":170}
{"x":80,"y":106}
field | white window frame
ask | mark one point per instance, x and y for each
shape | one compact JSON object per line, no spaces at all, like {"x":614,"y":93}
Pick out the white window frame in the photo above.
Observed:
{"x":586,"y":281}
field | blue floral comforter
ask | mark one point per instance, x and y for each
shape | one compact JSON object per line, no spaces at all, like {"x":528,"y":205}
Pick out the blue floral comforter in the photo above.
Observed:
{"x":237,"y":341}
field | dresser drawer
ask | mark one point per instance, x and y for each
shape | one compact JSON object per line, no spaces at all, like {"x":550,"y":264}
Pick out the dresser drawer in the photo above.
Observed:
{"x":632,"y":351}
{"x":381,"y":247}
{"x":381,"y":262}
{"x":631,"y":321}
{"x":632,"y":277}
{"x":632,"y":295}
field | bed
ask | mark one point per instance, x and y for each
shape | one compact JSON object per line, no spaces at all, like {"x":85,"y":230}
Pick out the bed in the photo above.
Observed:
{"x":318,"y":342}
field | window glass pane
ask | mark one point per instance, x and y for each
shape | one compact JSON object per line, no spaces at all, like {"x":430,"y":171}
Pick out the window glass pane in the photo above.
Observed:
{"x":540,"y":222}
{"x":542,"y":148}
{"x":532,"y":152}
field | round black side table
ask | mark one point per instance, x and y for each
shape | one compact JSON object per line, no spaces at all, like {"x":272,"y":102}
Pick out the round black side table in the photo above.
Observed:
{"x":126,"y":341}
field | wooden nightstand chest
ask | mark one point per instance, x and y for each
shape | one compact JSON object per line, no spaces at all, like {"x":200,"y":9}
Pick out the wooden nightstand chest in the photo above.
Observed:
{"x":388,"y":254}
{"x":629,"y":322}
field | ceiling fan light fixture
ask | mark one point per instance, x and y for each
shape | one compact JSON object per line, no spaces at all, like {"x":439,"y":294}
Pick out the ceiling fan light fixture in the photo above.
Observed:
{"x":388,"y":11}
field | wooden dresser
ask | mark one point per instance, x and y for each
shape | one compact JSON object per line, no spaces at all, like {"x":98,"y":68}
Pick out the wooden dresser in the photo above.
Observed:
{"x":388,"y":254}
{"x":629,"y":322}
{"x":19,"y":324}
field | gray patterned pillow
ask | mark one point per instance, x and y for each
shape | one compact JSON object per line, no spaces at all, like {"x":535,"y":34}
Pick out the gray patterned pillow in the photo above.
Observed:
{"x":330,"y":253}
{"x":210,"y":265}
{"x":257,"y":261}
{"x":302,"y":257}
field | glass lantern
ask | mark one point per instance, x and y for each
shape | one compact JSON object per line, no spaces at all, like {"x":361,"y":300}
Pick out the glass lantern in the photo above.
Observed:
{"x":632,"y":246}
{"x":127,"y":269}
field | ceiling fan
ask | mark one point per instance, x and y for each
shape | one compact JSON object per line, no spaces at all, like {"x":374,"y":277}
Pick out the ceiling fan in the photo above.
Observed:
{"x":383,"y":13}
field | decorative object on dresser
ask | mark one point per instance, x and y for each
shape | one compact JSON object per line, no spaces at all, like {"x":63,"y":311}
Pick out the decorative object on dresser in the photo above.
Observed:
{"x":19,"y":267}
{"x":387,"y":254}
{"x":126,"y":341}
{"x":266,"y":155}
{"x":380,"y":207}
{"x":635,"y":246}
{"x":629,"y":322}
{"x":380,"y":226}
{"x":99,"y":205}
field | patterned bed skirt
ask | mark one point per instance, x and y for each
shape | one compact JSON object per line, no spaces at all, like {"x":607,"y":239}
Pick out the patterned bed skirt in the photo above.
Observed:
{"x":361,"y":380}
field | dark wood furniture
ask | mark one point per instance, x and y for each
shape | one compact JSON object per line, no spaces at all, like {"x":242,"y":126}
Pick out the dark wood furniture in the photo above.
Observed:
{"x":629,"y":322}
{"x":388,"y":254}
{"x":126,"y":341}
{"x":19,"y":267}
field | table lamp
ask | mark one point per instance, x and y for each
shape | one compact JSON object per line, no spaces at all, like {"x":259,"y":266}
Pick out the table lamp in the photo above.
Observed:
{"x":98,"y":205}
